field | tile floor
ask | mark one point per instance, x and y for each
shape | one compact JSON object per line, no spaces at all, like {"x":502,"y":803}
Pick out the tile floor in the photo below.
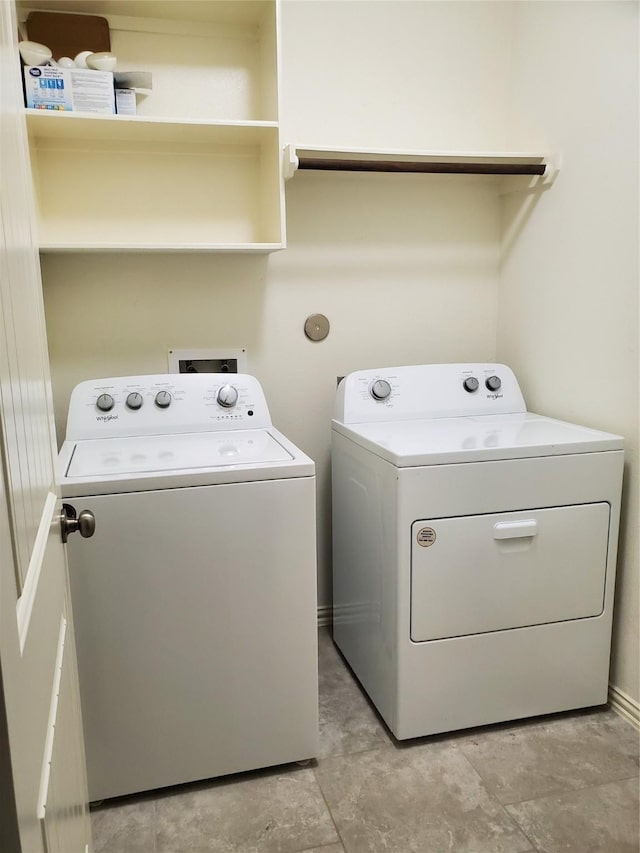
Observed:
{"x":567,"y":783}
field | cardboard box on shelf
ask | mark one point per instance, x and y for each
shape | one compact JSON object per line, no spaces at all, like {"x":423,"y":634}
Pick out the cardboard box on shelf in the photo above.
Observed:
{"x":69,"y":89}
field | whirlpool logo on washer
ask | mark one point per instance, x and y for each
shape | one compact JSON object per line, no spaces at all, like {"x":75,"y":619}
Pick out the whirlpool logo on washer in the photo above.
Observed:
{"x":426,"y":536}
{"x":107,"y":418}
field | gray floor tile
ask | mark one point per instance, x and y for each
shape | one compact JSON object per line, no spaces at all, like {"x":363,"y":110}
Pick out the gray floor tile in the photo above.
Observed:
{"x":540,"y":758}
{"x":602,"y":819}
{"x":427,"y":799}
{"x":124,"y":828}
{"x":266,"y":813}
{"x":348,"y":724}
{"x":328,"y":848}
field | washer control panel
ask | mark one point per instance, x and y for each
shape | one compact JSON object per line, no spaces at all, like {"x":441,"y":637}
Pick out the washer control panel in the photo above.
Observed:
{"x":166,"y":404}
{"x":428,"y":391}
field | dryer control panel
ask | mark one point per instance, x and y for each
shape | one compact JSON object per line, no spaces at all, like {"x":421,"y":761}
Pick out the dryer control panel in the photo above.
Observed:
{"x":166,"y":404}
{"x":419,"y":392}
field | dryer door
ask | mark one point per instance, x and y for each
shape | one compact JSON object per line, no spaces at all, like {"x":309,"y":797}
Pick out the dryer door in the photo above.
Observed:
{"x":480,"y":573}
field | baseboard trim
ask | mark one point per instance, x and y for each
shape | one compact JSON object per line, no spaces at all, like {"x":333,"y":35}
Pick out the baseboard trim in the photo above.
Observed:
{"x":624,"y":705}
{"x":325,"y":615}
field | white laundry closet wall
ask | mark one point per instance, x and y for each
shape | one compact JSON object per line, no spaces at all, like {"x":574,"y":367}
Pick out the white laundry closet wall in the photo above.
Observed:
{"x":407,"y":268}
{"x":568,"y":307}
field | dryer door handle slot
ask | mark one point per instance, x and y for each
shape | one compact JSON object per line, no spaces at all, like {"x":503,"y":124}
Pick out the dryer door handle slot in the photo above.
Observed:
{"x":515,"y":529}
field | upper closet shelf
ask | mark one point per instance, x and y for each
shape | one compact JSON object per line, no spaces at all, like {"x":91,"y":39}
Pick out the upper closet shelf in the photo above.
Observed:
{"x":45,"y":125}
{"x":430,"y":162}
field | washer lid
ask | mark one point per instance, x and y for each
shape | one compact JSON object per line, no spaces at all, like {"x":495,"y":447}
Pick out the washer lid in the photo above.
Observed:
{"x":168,"y":453}
{"x":441,"y":441}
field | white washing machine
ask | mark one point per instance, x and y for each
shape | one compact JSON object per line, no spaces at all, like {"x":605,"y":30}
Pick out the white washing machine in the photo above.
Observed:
{"x":474,"y":548}
{"x":195,"y":600}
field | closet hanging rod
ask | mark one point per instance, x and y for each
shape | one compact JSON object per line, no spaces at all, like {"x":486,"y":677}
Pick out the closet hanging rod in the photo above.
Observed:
{"x":445,"y":168}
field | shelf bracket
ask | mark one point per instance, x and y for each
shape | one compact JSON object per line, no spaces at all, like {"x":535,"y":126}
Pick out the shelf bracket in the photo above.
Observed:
{"x":552,"y":163}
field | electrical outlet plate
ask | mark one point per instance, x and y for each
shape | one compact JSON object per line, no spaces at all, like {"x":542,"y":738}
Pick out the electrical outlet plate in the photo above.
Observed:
{"x":224,"y":360}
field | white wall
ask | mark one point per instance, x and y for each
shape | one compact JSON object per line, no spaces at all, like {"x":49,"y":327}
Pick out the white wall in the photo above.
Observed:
{"x":424,"y":74}
{"x":568,"y":308}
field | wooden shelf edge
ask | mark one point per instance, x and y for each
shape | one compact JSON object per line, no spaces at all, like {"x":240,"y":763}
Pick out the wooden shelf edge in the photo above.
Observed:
{"x":143,"y":119}
{"x":48,"y":124}
{"x":239,"y":248}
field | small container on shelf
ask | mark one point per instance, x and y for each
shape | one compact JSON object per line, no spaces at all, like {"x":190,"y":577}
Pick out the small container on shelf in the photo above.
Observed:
{"x":125,"y":102}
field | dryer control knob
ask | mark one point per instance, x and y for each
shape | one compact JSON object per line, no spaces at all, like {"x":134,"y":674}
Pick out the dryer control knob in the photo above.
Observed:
{"x":105,"y":402}
{"x":134,"y":401}
{"x":380,"y":389}
{"x":163,"y":399}
{"x":471,"y":384}
{"x":493,"y":383}
{"x":227,"y":396}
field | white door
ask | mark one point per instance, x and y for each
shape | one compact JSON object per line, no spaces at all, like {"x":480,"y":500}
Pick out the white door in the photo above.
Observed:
{"x":43,"y":792}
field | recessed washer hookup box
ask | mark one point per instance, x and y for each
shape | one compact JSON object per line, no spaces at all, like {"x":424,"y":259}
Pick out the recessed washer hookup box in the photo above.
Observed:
{"x":69,"y":89}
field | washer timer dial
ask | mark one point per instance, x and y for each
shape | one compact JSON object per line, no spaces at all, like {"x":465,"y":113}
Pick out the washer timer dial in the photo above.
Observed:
{"x":105,"y":402}
{"x":227,"y":396}
{"x":380,"y":389}
{"x":163,"y":399}
{"x":493,"y":383}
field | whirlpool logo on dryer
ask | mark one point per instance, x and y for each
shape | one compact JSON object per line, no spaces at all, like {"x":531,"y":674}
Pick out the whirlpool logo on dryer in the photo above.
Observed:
{"x":106,"y":418}
{"x":494,"y":396}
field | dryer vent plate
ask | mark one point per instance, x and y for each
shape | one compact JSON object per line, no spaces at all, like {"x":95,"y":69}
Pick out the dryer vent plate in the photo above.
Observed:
{"x":316,"y":327}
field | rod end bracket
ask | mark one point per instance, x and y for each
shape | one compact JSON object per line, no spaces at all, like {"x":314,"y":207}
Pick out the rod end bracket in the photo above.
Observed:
{"x":290,"y":162}
{"x":553,"y":163}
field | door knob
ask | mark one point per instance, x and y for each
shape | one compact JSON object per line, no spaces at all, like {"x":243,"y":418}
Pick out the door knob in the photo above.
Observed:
{"x":70,"y":522}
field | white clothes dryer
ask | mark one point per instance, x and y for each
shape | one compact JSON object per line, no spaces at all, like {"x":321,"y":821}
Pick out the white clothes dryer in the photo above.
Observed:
{"x":195,"y":600}
{"x":474,"y":548}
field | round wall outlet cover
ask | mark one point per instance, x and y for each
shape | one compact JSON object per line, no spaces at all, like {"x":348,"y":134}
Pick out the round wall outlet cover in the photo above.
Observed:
{"x":316,"y":327}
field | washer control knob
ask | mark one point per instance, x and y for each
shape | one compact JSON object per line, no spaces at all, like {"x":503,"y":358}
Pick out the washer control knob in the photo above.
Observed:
{"x":380,"y":389}
{"x":105,"y":402}
{"x":493,"y":383}
{"x":163,"y":399}
{"x":227,"y":396}
{"x":134,"y":401}
{"x":471,"y":384}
